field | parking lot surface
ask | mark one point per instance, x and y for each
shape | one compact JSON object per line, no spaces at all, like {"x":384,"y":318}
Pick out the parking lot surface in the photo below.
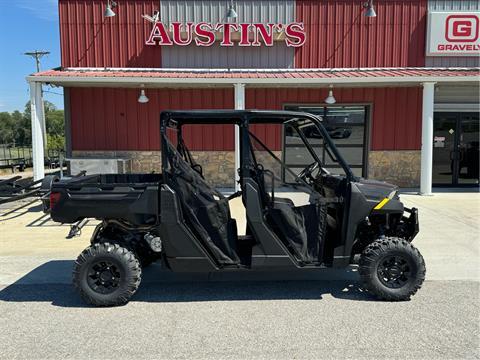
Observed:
{"x":319,"y":314}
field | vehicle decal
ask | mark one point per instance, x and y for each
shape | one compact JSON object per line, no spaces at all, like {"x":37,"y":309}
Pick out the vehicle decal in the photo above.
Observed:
{"x":381,"y":204}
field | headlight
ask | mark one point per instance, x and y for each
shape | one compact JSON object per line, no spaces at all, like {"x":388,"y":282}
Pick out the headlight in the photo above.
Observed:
{"x":392,"y":194}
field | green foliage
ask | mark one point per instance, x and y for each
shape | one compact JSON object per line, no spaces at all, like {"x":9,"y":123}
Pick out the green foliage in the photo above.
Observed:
{"x":16,"y":128}
{"x":7,"y":130}
{"x":55,"y":142}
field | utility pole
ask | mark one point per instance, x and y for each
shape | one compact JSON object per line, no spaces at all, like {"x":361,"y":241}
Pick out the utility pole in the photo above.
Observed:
{"x":37,"y":55}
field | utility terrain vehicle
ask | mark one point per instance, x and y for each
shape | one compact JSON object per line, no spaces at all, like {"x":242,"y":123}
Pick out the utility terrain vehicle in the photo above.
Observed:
{"x":303,"y":219}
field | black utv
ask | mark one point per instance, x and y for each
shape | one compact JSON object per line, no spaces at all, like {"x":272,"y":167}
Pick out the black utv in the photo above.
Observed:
{"x":297,"y":217}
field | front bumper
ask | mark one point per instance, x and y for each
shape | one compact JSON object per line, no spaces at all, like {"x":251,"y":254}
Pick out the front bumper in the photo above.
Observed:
{"x":411,"y":225}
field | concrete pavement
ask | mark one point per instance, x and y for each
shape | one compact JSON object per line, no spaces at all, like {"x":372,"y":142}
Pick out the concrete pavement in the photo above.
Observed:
{"x":319,"y":314}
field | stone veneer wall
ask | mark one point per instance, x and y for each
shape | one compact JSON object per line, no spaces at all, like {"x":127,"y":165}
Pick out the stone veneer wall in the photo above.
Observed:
{"x":399,"y":167}
{"x":218,"y":166}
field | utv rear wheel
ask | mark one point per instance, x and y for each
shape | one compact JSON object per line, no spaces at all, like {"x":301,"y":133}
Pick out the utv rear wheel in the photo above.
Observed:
{"x":106,"y":274}
{"x":392,"y":269}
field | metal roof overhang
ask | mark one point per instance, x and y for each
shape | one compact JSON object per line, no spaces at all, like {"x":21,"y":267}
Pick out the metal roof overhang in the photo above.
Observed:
{"x":156,"y":78}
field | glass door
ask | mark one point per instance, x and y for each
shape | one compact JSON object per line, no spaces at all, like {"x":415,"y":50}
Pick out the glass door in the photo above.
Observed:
{"x":468,"y":151}
{"x":444,"y":132}
{"x":455,"y":149}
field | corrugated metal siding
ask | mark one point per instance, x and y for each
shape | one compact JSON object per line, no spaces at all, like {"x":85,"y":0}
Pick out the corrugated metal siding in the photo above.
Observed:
{"x":278,"y":56}
{"x":338,"y":35}
{"x":453,"y":61}
{"x":88,"y":39}
{"x":446,"y":5}
{"x":215,"y":10}
{"x":457,"y":94}
{"x":395,"y":121}
{"x":112,"y":119}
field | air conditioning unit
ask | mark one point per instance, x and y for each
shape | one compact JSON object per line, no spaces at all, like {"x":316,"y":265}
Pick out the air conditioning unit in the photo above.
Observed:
{"x":99,"y":166}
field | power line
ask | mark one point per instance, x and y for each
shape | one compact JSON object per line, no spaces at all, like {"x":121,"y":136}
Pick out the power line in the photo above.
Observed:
{"x":37,"y":55}
{"x":51,"y":92}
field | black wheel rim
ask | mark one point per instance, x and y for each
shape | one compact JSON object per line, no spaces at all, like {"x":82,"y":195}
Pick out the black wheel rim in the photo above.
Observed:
{"x":103,"y":277}
{"x":394,"y":271}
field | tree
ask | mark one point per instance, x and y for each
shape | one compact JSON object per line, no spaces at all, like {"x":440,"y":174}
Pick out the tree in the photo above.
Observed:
{"x":55,"y":122}
{"x":7,"y":133}
{"x":20,"y":128}
{"x":16,"y":128}
{"x":55,"y":142}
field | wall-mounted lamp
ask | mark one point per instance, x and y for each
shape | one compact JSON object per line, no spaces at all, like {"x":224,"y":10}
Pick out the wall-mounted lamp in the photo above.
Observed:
{"x":330,"y":99}
{"x":231,"y":13}
{"x":370,"y":10}
{"x":108,"y":11}
{"x":143,"y":99}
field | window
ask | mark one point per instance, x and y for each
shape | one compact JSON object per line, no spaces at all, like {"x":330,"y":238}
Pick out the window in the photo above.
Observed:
{"x":346,"y":126}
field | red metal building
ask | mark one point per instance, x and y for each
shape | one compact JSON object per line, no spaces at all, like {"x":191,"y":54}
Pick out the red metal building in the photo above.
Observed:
{"x":389,"y":81}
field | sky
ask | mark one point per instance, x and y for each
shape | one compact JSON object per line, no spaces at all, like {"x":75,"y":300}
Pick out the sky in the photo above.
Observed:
{"x":27,"y":25}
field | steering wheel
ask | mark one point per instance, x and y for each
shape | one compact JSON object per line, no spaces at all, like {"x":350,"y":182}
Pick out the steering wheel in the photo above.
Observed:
{"x":306,"y":174}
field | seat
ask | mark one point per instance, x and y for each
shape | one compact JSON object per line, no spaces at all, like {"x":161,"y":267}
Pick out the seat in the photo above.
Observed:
{"x":205,"y":209}
{"x":301,"y":228}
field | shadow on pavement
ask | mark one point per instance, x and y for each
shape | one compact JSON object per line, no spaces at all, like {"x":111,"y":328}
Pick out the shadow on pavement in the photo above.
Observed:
{"x":50,"y":282}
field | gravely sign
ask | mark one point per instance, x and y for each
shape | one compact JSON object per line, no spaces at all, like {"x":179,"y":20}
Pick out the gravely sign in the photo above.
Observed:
{"x":453,"y":33}
{"x":229,"y":34}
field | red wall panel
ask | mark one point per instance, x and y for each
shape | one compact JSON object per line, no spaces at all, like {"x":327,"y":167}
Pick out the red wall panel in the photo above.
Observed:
{"x":395,"y":120}
{"x":112,"y":119}
{"x":340,"y":36}
{"x":88,"y":39}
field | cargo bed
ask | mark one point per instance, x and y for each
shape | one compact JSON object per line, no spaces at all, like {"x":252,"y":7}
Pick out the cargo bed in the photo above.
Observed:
{"x":128,"y":197}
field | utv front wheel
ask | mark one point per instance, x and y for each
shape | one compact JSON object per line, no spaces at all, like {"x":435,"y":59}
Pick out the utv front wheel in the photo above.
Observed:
{"x":106,"y":274}
{"x":392,"y":269}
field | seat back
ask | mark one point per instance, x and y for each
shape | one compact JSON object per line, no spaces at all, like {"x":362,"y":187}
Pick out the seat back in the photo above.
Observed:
{"x":205,"y":209}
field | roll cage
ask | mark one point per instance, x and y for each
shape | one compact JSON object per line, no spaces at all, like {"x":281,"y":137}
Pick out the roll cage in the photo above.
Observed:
{"x":244,"y":118}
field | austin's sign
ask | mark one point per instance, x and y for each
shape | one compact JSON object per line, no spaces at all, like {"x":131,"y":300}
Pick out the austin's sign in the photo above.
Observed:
{"x":228,"y":34}
{"x":453,"y":33}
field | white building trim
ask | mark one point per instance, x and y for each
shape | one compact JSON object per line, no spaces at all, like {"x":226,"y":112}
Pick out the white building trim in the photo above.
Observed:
{"x":39,"y":140}
{"x":427,"y":139}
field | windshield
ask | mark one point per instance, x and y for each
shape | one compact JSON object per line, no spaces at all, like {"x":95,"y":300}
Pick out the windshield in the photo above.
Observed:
{"x":305,"y":143}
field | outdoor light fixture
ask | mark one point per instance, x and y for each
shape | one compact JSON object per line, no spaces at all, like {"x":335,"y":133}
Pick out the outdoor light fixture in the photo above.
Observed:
{"x":108,"y":11}
{"x":370,"y":10}
{"x":330,"y":99}
{"x":143,"y":99}
{"x":231,"y":13}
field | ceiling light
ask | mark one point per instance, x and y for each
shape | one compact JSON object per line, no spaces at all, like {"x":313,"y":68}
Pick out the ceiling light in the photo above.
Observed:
{"x":370,"y":10}
{"x":108,"y":11}
{"x":143,"y":99}
{"x":330,"y":99}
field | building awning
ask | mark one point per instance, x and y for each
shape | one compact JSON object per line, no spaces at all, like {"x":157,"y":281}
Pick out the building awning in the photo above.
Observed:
{"x":129,"y":77}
